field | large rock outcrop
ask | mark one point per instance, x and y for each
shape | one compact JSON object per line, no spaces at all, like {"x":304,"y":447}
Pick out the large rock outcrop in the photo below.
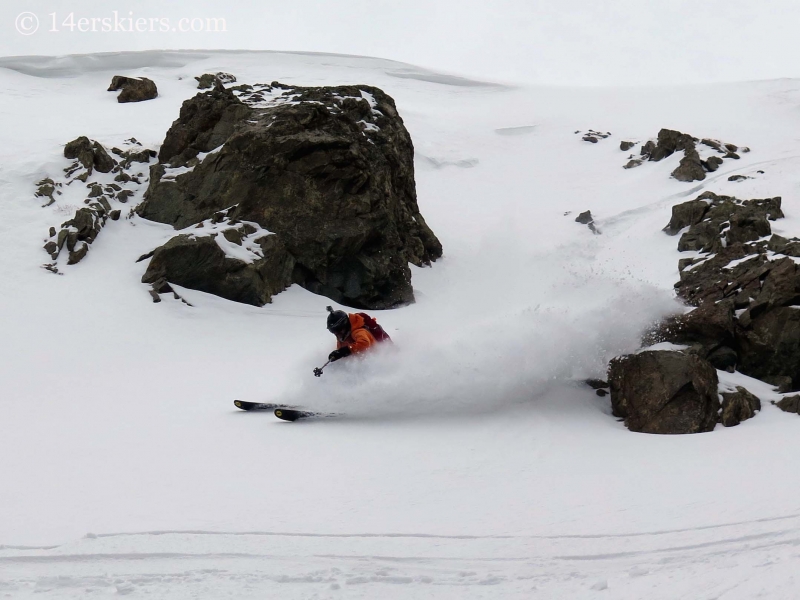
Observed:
{"x":745,"y":287}
{"x":667,"y":392}
{"x":328,"y":171}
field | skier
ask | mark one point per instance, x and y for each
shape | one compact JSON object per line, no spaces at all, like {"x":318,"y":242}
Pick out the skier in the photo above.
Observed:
{"x":354,"y":333}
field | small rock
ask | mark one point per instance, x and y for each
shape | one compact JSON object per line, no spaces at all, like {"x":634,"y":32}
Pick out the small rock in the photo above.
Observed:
{"x":134,"y":89}
{"x":114,"y":214}
{"x":732,"y":155}
{"x":625,"y":146}
{"x":77,"y":255}
{"x":713,"y":144}
{"x":782,"y":384}
{"x":124,"y":195}
{"x":589,"y":138}
{"x":713,"y":163}
{"x":52,"y":249}
{"x":790,"y":404}
{"x":691,"y":167}
{"x":737,"y":178}
{"x":632,"y":163}
{"x":233,"y":235}
{"x":738,"y":406}
{"x":584,"y":218}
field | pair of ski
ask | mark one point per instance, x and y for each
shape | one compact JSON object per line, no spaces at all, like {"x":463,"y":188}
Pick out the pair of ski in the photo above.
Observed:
{"x":285,"y":413}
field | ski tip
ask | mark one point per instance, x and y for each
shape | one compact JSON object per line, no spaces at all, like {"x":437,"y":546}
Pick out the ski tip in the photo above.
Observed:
{"x":286,"y":415}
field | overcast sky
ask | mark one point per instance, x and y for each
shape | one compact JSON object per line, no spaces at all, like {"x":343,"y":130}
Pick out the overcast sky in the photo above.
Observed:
{"x":583,"y":42}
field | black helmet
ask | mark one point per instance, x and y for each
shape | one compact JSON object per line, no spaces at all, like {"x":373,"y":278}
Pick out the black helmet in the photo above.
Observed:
{"x":338,"y":323}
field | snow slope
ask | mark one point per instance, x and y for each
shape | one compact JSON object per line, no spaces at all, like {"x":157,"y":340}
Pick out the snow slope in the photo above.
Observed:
{"x":473,"y":463}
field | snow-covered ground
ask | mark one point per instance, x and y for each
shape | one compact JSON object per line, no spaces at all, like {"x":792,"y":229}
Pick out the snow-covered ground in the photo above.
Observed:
{"x":473,"y":462}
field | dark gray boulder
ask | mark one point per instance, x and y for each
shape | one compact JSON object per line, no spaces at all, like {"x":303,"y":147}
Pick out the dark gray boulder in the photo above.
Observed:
{"x":790,"y":404}
{"x":738,"y":406}
{"x":328,"y":170}
{"x":134,"y":89}
{"x":90,"y":154}
{"x":666,"y":392}
{"x":686,"y":214}
{"x":669,"y":142}
{"x":712,"y":163}
{"x":199,"y":262}
{"x":207,"y":80}
{"x":690,"y":168}
{"x":785,"y":246}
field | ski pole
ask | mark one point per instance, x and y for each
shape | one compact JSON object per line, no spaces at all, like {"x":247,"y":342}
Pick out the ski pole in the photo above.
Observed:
{"x":318,"y":370}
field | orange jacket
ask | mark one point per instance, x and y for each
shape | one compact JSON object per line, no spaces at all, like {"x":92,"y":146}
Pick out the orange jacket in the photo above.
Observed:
{"x":360,"y":338}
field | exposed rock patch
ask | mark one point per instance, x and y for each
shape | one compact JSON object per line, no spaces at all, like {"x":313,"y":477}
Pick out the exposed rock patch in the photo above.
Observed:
{"x":90,"y":159}
{"x":585,"y":218}
{"x":207,"y":80}
{"x":594,"y":136}
{"x":134,"y":89}
{"x":746,"y":287}
{"x":327,"y":170}
{"x":692,"y":166}
{"x":90,"y":154}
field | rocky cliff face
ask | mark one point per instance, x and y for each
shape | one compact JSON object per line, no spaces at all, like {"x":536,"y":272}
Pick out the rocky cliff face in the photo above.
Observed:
{"x":327,"y":171}
{"x":744,"y":285}
{"x":746,"y":288}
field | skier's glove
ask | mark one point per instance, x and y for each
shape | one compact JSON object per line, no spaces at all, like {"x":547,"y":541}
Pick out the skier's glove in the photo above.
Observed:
{"x":340,"y":353}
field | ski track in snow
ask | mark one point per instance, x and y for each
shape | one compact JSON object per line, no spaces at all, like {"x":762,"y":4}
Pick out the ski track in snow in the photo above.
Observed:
{"x":186,"y":564}
{"x":472,"y":463}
